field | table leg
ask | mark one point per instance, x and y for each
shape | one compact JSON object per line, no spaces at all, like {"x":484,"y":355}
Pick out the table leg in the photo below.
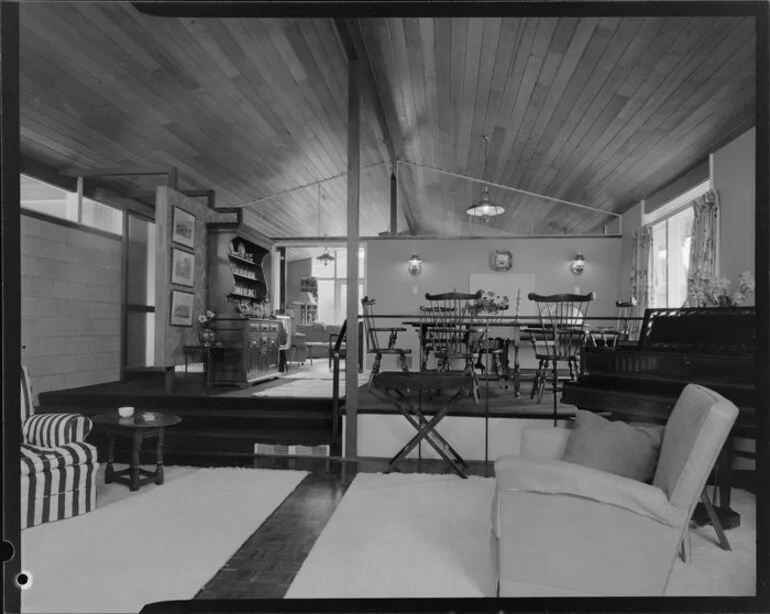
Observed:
{"x":516,"y":371}
{"x":424,"y":432}
{"x":109,"y":473}
{"x":159,"y":460}
{"x":135,"y":451}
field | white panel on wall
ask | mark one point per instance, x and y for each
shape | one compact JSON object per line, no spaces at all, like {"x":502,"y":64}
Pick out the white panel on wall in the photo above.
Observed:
{"x":510,"y":285}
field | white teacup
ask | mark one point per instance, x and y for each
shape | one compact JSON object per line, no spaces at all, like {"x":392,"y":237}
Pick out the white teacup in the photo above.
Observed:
{"x":126,"y":412}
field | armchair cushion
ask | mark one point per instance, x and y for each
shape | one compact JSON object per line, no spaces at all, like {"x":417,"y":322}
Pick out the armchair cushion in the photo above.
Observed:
{"x":627,"y":450}
{"x":544,"y":442}
{"x":35,"y":459}
{"x":54,"y":430}
{"x":514,"y":473}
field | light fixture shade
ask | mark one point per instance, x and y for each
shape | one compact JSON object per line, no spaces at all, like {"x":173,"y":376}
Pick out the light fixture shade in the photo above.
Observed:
{"x":485,"y":208}
{"x":308,"y":298}
{"x":415,"y":264}
{"x":326,"y":257}
{"x":578,"y":264}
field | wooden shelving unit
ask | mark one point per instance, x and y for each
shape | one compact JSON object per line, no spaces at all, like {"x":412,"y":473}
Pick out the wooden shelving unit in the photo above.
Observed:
{"x":238,"y":270}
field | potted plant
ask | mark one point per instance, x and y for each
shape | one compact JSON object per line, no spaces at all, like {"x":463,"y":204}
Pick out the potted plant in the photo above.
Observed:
{"x":715,"y":292}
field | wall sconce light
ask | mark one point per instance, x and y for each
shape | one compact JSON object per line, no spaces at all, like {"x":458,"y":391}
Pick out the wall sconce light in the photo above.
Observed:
{"x":415,"y":264}
{"x":578,"y":264}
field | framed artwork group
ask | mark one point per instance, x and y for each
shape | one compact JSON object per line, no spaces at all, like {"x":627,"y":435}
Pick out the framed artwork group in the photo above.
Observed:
{"x":182,"y":266}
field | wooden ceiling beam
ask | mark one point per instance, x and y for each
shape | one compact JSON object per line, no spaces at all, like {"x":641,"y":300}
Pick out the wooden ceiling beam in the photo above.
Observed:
{"x":352,"y":39}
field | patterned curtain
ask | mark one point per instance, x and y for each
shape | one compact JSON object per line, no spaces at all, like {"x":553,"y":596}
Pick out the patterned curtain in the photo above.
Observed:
{"x":703,"y":246}
{"x":642,"y":273}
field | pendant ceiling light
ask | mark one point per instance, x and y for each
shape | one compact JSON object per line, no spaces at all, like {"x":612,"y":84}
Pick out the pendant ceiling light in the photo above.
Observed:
{"x":326,"y":257}
{"x":485,"y":208}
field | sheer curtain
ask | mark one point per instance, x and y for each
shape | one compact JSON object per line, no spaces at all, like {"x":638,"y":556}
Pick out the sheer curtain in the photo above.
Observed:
{"x":703,"y":245}
{"x":642,"y":273}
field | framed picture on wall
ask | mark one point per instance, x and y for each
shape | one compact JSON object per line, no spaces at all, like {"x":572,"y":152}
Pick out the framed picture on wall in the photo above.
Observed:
{"x":181,"y":308}
{"x":502,"y":260}
{"x":183,"y":230}
{"x":182,"y":267}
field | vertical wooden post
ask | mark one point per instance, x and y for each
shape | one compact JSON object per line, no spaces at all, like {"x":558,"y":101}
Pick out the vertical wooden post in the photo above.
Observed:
{"x":10,"y":293}
{"x":173,"y":182}
{"x":393,"y":205}
{"x":351,"y":344}
{"x":281,"y":303}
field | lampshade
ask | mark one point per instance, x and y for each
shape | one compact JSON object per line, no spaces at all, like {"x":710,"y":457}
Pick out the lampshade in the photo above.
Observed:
{"x":415,"y":264}
{"x":485,"y":208}
{"x":326,"y":257}
{"x":578,"y":264}
{"x":307,"y":298}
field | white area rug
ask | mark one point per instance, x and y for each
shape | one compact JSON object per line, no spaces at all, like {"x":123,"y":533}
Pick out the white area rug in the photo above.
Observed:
{"x":158,"y":543}
{"x":403,"y":535}
{"x":417,"y":535}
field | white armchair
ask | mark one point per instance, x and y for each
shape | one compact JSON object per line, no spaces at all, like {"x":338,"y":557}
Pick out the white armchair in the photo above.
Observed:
{"x":562,"y":529}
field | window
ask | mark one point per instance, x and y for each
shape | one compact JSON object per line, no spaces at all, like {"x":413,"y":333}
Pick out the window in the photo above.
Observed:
{"x":333,"y":285}
{"x":671,"y":259}
{"x":48,"y":199}
{"x":56,"y":202}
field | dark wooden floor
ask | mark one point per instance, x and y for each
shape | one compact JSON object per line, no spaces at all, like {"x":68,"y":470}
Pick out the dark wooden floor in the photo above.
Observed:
{"x":266,"y":564}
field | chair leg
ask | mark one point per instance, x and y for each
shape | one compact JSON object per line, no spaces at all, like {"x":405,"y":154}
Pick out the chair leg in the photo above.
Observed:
{"x":376,"y":364}
{"x":715,"y":521}
{"x":536,"y":381}
{"x":685,"y":547}
{"x":555,"y":389}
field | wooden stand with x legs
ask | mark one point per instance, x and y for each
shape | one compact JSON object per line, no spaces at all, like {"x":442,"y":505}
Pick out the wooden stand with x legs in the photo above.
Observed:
{"x":395,"y":386}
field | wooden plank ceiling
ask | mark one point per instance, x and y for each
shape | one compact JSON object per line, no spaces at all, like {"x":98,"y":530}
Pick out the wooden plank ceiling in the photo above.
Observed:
{"x":601,"y":111}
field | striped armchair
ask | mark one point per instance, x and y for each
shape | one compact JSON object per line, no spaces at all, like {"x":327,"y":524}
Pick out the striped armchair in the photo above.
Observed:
{"x":58,"y":468}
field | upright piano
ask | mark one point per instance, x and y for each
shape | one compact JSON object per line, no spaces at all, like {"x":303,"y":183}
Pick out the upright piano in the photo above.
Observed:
{"x":641,"y":382}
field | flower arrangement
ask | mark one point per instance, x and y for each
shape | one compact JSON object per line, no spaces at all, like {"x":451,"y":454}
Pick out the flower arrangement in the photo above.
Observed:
{"x":489,"y":303}
{"x":206,"y":320}
{"x":716,"y":292}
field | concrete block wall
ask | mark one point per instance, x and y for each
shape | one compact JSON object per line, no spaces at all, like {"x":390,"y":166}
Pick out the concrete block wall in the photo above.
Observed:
{"x":70,"y":305}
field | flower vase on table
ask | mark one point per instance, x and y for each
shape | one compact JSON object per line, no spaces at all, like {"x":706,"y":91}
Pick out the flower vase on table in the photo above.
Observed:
{"x":207,"y":334}
{"x":207,"y":337}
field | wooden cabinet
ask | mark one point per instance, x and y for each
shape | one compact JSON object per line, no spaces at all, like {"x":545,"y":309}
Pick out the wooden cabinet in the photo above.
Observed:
{"x":239,"y":272}
{"x":249,"y":351}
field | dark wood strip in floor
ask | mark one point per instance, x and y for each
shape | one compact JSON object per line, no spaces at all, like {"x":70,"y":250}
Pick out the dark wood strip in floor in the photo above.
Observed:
{"x":267,"y":563}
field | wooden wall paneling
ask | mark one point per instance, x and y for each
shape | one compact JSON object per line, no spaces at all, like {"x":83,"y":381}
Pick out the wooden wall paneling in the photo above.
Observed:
{"x":470,"y":80}
{"x":474,"y":153}
{"x":285,"y":98}
{"x":515,"y":98}
{"x":427,"y":52}
{"x":407,"y":109}
{"x":552,"y":57}
{"x":643,"y":76}
{"x":682,"y":133}
{"x":596,"y":95}
{"x":309,"y":110}
{"x":534,"y":149}
{"x":566,"y":115}
{"x":418,"y":131}
{"x":651,"y":106}
{"x":678,"y":105}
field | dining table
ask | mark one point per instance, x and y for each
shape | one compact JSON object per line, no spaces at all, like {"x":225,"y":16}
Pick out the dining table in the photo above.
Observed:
{"x":482,"y":324}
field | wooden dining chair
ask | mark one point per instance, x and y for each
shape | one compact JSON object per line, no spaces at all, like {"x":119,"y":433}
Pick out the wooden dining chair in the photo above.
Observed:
{"x":451,"y":328}
{"x":610,"y":336}
{"x":558,"y":339}
{"x":373,"y":342}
